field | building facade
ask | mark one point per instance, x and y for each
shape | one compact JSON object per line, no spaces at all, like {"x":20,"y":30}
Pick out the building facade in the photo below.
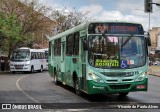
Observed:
{"x":155,"y":38}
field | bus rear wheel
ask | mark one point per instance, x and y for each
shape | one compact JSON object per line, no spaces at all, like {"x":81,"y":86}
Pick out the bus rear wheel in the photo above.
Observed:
{"x":55,"y":79}
{"x":123,"y":94}
{"x":41,"y":69}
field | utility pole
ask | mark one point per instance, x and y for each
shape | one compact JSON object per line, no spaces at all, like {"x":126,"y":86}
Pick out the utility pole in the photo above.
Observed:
{"x":149,"y":9}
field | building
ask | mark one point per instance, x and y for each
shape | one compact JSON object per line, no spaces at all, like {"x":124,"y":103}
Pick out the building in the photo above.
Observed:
{"x":155,"y":38}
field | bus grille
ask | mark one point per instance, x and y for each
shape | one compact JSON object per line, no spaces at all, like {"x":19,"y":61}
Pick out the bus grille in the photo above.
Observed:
{"x":115,"y":87}
{"x":19,"y":66}
{"x":115,"y":74}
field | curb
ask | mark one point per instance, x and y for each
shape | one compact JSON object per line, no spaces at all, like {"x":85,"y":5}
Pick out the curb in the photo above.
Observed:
{"x":154,"y":75}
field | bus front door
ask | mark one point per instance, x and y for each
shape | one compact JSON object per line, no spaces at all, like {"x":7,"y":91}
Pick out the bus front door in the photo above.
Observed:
{"x":83,"y":65}
{"x":62,"y":61}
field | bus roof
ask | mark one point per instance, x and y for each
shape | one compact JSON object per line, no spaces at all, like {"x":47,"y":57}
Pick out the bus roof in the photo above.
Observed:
{"x":84,"y":26}
{"x":32,"y":50}
{"x":74,"y":29}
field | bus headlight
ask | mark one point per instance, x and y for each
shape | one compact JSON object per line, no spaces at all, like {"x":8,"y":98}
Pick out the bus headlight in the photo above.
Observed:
{"x":95,"y":78}
{"x":142,"y":76}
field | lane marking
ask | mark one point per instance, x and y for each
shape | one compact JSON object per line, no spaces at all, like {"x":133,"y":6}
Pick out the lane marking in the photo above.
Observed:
{"x":27,"y":95}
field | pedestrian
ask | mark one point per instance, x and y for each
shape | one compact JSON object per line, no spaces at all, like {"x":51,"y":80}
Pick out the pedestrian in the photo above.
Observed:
{"x":2,"y":64}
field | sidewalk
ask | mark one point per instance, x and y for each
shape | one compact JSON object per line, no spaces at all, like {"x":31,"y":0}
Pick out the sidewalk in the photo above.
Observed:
{"x":4,"y":72}
{"x":154,"y":70}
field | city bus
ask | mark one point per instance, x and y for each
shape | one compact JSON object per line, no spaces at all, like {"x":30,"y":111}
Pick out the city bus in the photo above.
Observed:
{"x":28,"y":60}
{"x":100,"y":57}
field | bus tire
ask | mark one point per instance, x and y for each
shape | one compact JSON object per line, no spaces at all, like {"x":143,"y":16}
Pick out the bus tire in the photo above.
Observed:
{"x":77,"y":87}
{"x":32,"y":69}
{"x":13,"y":72}
{"x":123,"y":94}
{"x":55,"y":78}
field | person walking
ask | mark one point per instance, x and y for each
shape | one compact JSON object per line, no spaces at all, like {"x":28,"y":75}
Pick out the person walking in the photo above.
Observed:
{"x":2,"y":64}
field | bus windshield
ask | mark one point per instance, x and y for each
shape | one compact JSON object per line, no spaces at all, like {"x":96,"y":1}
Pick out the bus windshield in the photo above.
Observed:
{"x":116,"y":51}
{"x":20,"y":55}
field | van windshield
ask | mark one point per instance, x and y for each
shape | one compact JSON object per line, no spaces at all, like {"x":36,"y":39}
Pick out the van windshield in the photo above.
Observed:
{"x":20,"y":55}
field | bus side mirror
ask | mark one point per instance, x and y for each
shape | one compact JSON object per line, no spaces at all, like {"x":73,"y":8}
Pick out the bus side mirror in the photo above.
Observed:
{"x":149,"y":41}
{"x":85,"y":45}
{"x":147,"y":36}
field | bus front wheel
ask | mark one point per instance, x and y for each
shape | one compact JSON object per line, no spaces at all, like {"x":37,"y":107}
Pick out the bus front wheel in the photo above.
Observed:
{"x":77,"y":87}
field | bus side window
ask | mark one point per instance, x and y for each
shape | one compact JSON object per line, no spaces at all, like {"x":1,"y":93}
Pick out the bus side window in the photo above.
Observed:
{"x":57,"y":48}
{"x":69,"y":44}
{"x":35,"y":55}
{"x":85,"y":45}
{"x":32,"y":55}
{"x":76,"y":44}
{"x":41,"y":55}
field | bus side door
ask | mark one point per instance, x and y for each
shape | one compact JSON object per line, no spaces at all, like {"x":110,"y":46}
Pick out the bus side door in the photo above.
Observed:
{"x":83,"y":63}
{"x":63,"y":59}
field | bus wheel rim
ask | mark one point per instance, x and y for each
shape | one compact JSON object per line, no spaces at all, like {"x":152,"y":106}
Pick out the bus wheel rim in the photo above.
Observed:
{"x":77,"y":87}
{"x":55,"y":78}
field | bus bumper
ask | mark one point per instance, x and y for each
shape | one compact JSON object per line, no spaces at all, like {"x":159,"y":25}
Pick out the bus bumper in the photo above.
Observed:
{"x":13,"y":69}
{"x":97,"y":88}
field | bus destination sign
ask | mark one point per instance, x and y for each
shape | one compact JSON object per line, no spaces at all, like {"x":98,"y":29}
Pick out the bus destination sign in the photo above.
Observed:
{"x":112,"y":28}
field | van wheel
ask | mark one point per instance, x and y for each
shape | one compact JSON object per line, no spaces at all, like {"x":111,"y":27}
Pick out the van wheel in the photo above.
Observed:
{"x":32,"y":69}
{"x":77,"y":87}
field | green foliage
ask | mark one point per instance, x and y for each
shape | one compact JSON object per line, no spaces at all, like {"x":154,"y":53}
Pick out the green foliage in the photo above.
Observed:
{"x":10,"y":31}
{"x":10,"y":27}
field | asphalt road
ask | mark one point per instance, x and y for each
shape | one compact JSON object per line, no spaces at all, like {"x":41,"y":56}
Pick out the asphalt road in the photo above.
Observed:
{"x":39,"y":88}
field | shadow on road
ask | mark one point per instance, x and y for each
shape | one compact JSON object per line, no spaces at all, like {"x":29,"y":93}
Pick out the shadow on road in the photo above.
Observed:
{"x":101,"y":97}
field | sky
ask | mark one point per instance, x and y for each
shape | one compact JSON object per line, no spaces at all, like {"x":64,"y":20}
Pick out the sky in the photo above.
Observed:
{"x":126,"y":10}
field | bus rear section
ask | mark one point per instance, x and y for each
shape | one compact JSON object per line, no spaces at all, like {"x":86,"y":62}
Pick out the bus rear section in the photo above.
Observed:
{"x":27,"y":60}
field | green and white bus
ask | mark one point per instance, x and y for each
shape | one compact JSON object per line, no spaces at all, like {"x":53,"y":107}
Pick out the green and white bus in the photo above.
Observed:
{"x":101,"y":57}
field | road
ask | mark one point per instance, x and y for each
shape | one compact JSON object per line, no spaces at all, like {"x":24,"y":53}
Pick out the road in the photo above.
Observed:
{"x":39,"y":88}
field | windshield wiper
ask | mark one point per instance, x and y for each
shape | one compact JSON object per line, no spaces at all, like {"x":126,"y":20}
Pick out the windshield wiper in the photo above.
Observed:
{"x":127,"y":40}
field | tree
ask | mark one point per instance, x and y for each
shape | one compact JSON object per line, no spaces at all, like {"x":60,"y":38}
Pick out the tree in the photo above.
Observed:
{"x":66,"y":19}
{"x":10,"y":31}
{"x":30,"y":20}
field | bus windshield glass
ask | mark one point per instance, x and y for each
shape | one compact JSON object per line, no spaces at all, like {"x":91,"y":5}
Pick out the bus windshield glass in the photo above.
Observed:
{"x":20,"y":55}
{"x":116,"y":51}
